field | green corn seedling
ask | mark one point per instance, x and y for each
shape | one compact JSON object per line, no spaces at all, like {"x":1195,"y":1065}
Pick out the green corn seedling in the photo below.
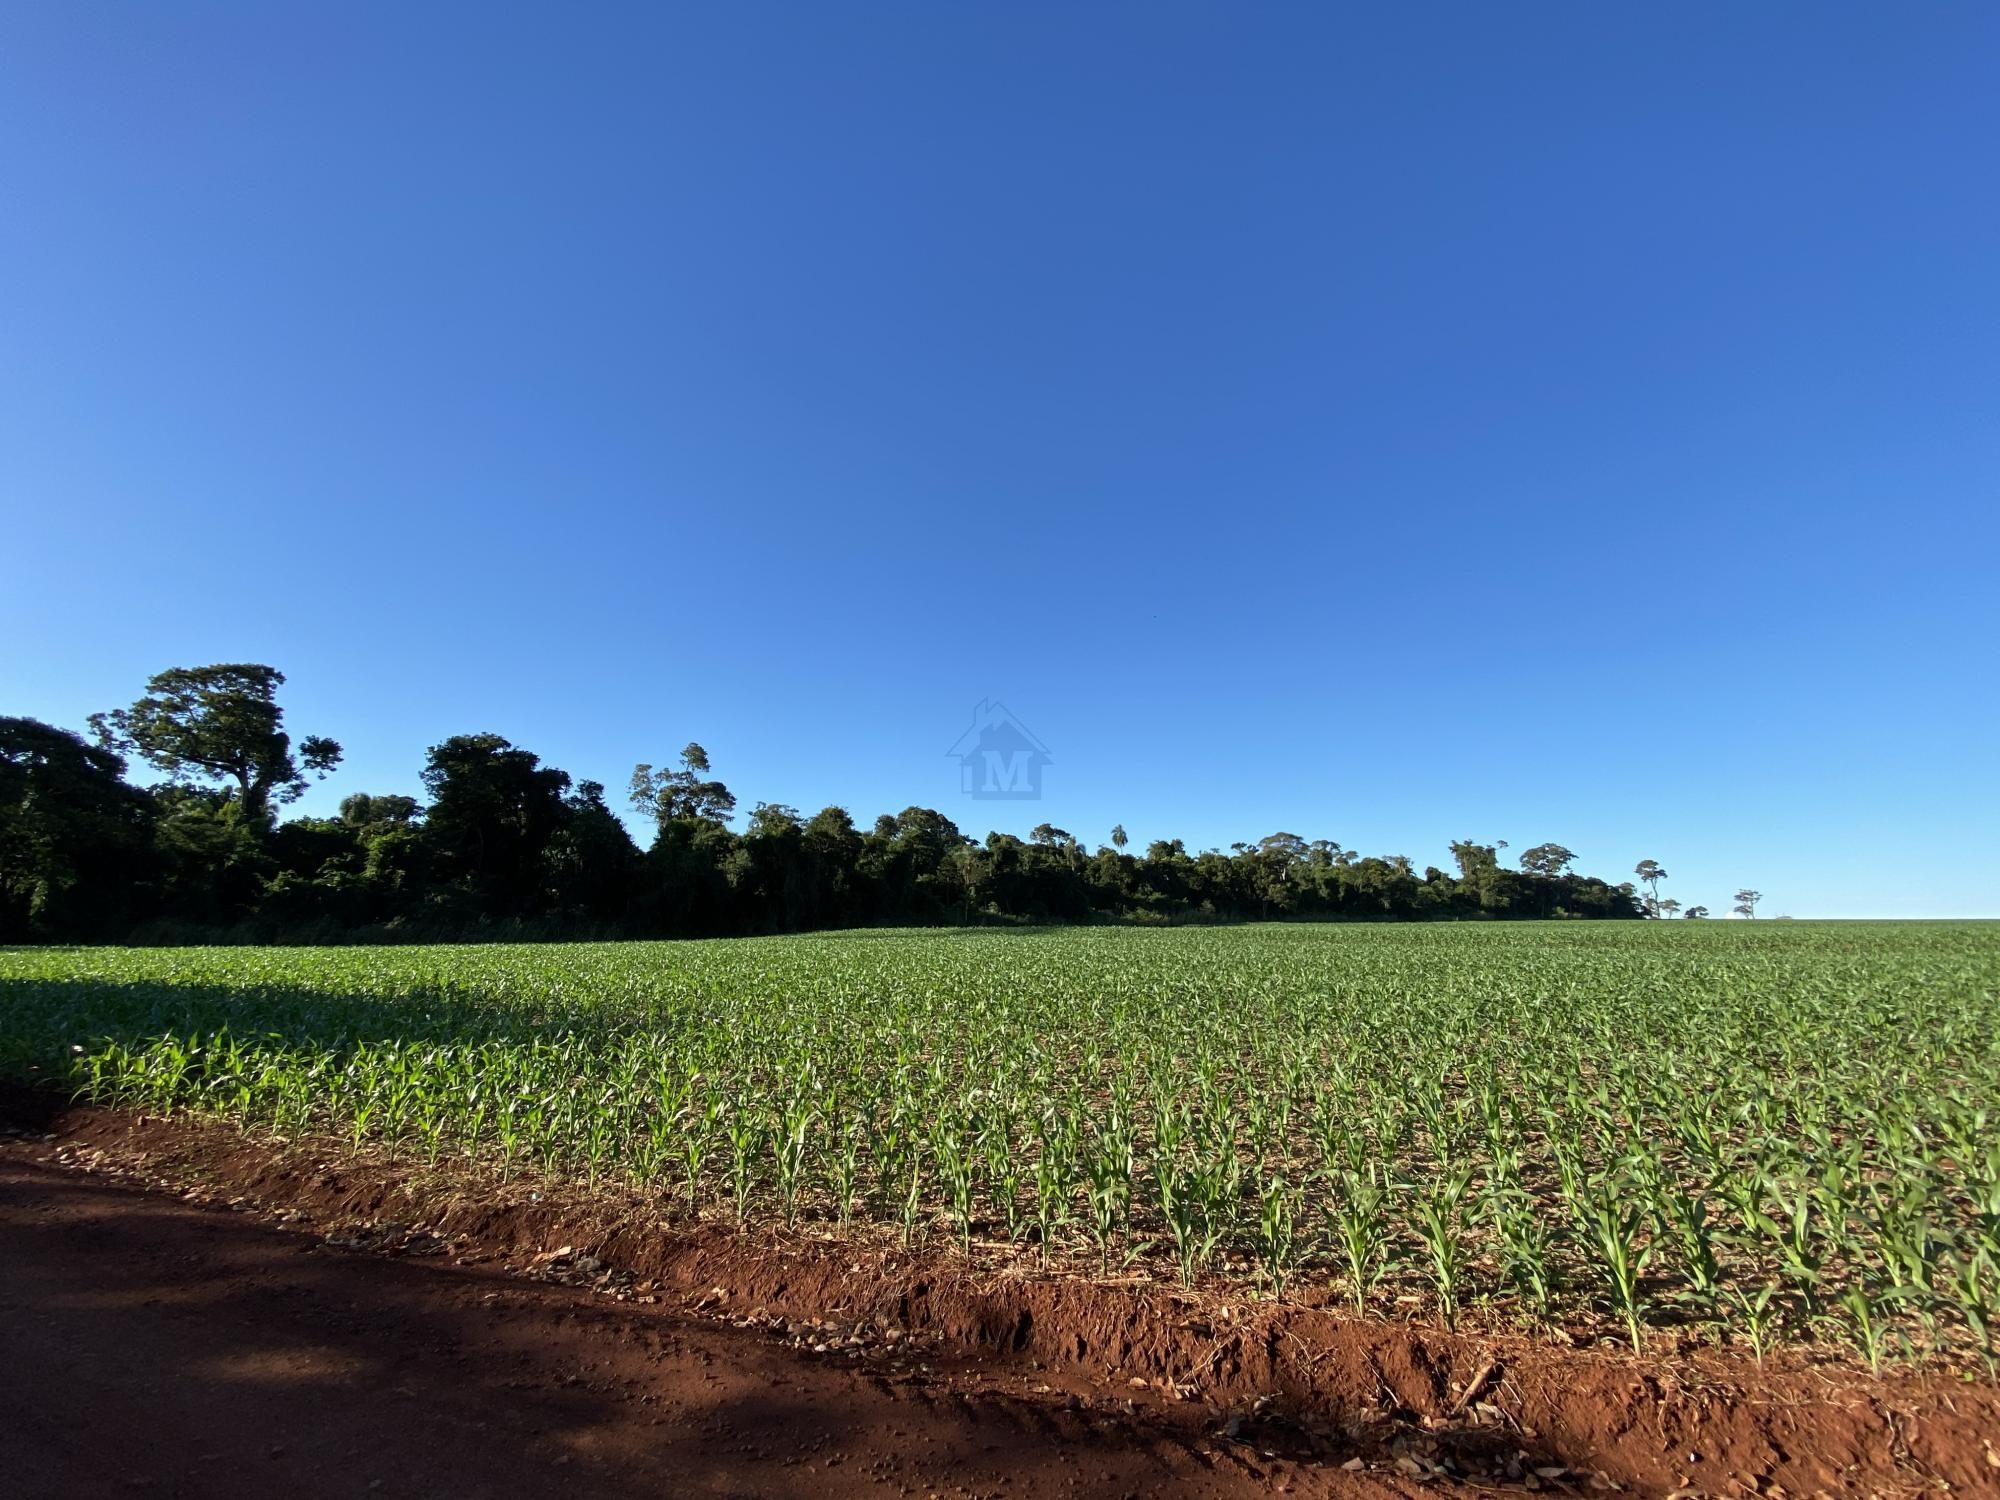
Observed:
{"x":1277,"y":1234}
{"x":1611,"y":1222}
{"x":1357,"y":1213}
{"x":1439,"y":1220}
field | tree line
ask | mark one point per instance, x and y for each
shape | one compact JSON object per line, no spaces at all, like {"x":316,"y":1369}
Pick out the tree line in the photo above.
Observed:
{"x":503,"y":845}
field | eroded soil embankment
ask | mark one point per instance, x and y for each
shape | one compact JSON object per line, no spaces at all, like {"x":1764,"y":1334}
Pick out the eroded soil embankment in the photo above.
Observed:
{"x":1227,"y":1389}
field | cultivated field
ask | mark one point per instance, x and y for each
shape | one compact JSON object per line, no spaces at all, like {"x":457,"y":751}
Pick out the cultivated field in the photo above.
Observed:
{"x":1769,"y":1133}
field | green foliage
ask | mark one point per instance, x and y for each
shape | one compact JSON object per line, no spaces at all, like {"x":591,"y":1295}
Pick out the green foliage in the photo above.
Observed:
{"x":1776,"y":1130}
{"x":683,"y":795}
{"x":506,"y":848}
{"x":494,"y":811}
{"x":219,"y":724}
{"x":1437,"y":1215}
{"x":1611,"y":1222}
{"x":74,"y":838}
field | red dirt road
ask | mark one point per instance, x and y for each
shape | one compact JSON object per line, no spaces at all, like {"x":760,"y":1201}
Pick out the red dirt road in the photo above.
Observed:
{"x":154,"y":1347}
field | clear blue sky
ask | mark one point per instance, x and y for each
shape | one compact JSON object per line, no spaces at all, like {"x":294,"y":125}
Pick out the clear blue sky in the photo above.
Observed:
{"x":1382,"y":423}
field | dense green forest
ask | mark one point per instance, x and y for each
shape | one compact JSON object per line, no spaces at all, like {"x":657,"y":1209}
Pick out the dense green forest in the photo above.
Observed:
{"x":505,"y":846}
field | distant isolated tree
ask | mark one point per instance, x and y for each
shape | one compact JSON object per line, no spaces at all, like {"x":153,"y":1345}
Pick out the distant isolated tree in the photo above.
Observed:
{"x":220,"y":723}
{"x":1692,"y":912}
{"x":1669,"y":906}
{"x":1650,"y":875}
{"x":1547,"y":860}
{"x":1118,"y":838}
{"x":1746,"y":902}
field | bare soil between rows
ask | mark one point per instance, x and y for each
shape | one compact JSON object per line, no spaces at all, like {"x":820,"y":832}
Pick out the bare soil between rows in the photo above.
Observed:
{"x":689,"y":1355}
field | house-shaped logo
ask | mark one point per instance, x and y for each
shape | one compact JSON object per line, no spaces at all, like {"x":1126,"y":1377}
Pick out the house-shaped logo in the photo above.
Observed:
{"x":998,"y":759}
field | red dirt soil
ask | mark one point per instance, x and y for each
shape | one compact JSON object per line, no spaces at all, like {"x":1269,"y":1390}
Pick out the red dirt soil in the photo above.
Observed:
{"x":188,"y":1311}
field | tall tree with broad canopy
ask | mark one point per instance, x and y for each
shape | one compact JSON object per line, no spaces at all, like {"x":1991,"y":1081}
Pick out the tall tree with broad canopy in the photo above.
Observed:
{"x":203,"y":725}
{"x":1549,"y":861}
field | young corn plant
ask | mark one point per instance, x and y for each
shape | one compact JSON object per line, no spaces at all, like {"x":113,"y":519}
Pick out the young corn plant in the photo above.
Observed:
{"x":897,"y":1146}
{"x":1107,"y":1169}
{"x":1055,"y":1176}
{"x":1356,"y":1212}
{"x":475,"y":1125}
{"x":431,"y":1122}
{"x":1189,"y":1195}
{"x":1277,"y":1234}
{"x":664,"y":1120}
{"x":1759,"y":1312}
{"x":1003,"y":1169}
{"x":507,"y":1136}
{"x":1527,"y":1248}
{"x":556,"y":1114}
{"x":1182,"y":1210}
{"x":790,"y":1142}
{"x":699,"y":1130}
{"x":1971,"y":1281}
{"x":745,"y":1130}
{"x":1260,"y":1110}
{"x":1868,"y":1310}
{"x":910,"y":1198}
{"x":957,"y":1164}
{"x":1437,"y":1213}
{"x":599,"y":1139}
{"x":360,"y":1121}
{"x":1800,"y":1247}
{"x":1426,"y":1097}
{"x":1217,"y":1182}
{"x":1907,"y":1250}
{"x":1330,"y":1129}
{"x":1681,"y":1214}
{"x":1611,"y":1223}
{"x":845,"y":1168}
{"x":889,"y":1142}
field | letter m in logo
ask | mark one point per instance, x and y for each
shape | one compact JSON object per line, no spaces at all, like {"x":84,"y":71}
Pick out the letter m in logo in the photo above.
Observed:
{"x":1007,"y":773}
